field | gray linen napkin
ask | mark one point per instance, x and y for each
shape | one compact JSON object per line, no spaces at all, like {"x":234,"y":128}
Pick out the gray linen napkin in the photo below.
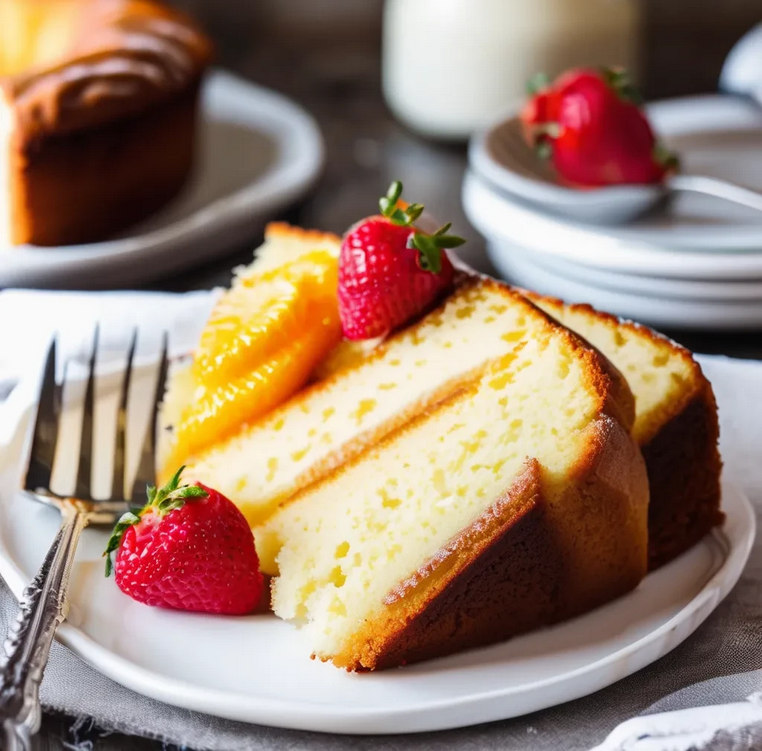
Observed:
{"x":712,"y":667}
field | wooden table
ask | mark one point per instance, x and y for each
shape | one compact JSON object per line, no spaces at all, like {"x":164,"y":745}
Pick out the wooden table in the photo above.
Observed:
{"x":367,"y":149}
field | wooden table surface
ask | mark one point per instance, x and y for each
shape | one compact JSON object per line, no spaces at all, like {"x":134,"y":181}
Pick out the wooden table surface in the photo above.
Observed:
{"x":366,"y":149}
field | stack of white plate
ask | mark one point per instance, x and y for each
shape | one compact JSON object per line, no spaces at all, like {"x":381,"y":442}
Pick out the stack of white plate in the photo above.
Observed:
{"x":695,"y":264}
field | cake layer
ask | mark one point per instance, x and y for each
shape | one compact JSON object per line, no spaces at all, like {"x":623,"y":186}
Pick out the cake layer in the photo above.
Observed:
{"x":676,"y":424}
{"x":527,"y":460}
{"x":330,"y":422}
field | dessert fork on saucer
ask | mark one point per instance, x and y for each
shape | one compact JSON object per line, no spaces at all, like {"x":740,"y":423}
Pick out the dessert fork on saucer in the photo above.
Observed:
{"x":43,"y":604}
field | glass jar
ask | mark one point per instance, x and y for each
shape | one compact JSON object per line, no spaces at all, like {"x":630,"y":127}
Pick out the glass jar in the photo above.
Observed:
{"x":452,"y":66}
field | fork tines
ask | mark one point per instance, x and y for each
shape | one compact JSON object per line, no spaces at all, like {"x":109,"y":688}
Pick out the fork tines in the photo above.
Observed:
{"x":82,"y":489}
{"x":146,"y":474}
{"x":46,"y":429}
{"x":120,"y":447}
{"x":43,"y":449}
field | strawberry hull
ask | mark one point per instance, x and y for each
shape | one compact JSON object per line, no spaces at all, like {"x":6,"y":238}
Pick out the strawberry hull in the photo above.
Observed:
{"x":188,"y":549}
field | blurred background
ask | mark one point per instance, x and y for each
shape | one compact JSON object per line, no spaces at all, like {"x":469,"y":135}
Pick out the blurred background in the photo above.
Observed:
{"x":327,"y":55}
{"x":338,"y":58}
{"x":683,"y":42}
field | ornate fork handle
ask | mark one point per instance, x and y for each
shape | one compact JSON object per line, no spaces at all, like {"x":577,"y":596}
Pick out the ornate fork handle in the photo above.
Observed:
{"x":41,"y":609}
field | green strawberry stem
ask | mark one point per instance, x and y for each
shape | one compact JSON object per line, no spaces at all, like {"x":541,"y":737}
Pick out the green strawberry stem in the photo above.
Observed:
{"x":544,"y":149}
{"x":620,"y":80}
{"x":666,"y":158}
{"x":537,"y":83}
{"x":429,"y":246}
{"x":162,"y":500}
{"x":543,"y":136}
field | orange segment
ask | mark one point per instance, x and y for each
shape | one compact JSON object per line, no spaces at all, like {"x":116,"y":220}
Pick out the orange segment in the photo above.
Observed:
{"x":261,"y":315}
{"x":218,"y":412}
{"x":263,"y":340}
{"x":246,"y":327}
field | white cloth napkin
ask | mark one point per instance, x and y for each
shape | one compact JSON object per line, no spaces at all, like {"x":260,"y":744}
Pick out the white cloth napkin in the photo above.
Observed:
{"x":28,"y":319}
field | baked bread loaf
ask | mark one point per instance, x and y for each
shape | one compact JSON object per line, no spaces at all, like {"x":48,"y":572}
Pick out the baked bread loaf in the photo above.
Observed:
{"x":98,"y":102}
{"x":518,"y":501}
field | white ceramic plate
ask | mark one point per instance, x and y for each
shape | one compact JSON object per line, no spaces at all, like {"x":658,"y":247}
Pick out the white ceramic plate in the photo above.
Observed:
{"x":696,"y":290}
{"x":656,"y":306}
{"x":258,"y":152}
{"x":257,"y":669}
{"x":499,"y":218}
{"x":715,"y":135}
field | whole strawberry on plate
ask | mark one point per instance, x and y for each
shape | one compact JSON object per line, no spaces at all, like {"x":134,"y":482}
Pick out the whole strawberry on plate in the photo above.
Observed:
{"x":390,"y":271}
{"x":188,"y":548}
{"x":590,"y":124}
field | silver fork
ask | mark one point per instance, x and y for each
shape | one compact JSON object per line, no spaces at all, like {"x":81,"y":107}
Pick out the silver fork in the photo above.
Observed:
{"x":43,"y":604}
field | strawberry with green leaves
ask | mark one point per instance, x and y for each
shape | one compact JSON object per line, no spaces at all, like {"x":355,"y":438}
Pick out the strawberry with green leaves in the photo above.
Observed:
{"x":188,"y":548}
{"x":390,"y":271}
{"x":591,"y":126}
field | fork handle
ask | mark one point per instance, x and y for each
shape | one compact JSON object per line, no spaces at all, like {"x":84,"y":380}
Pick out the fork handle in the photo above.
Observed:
{"x":41,"y":608}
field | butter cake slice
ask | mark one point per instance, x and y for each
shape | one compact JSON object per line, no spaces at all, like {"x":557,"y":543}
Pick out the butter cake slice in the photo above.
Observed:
{"x":518,"y":501}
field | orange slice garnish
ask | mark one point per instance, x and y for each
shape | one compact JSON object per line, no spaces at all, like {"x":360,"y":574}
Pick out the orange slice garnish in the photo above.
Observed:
{"x":221,"y":411}
{"x":263,"y":340}
{"x":261,"y":315}
{"x":247,"y":326}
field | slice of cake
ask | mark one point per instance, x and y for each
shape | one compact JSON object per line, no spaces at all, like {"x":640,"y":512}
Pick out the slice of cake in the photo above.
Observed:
{"x":518,"y":501}
{"x":676,"y":424}
{"x":327,"y":424}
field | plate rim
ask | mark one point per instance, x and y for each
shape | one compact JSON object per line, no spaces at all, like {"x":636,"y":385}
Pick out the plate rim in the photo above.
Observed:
{"x":436,"y":714}
{"x":481,"y":201}
{"x":651,"y":310}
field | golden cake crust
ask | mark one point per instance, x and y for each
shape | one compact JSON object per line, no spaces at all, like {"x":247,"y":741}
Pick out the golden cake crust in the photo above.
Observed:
{"x":680,"y":448}
{"x":524,"y":564}
{"x":129,"y":55}
{"x":284,"y":230}
{"x":504,"y":563}
{"x":535,"y":557}
{"x":684,"y":470}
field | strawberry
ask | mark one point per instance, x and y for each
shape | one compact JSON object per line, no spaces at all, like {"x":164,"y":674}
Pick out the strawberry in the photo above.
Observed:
{"x":389,"y":270}
{"x":590,"y":124}
{"x":188,"y":548}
